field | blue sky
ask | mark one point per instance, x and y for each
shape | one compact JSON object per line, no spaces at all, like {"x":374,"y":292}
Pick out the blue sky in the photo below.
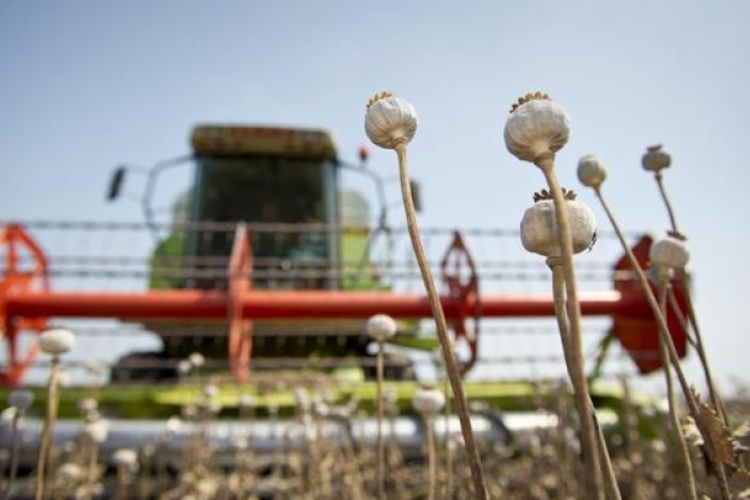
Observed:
{"x":86,"y":85}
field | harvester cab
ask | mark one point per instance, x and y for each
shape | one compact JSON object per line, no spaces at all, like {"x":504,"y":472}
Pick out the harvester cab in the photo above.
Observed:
{"x":302,"y":229}
{"x":259,"y":175}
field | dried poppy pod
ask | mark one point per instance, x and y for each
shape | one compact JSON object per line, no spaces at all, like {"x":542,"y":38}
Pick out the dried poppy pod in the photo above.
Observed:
{"x":591,"y":171}
{"x":536,"y":128}
{"x":539,"y":225}
{"x":57,"y":341}
{"x":88,"y":405}
{"x":196,"y":360}
{"x":390,"y":120}
{"x":656,"y":159}
{"x":173,"y":425}
{"x":381,"y":327}
{"x":125,"y":458}
{"x":210,"y":391}
{"x":69,"y":472}
{"x":670,"y":252}
{"x":428,"y":400}
{"x":97,"y":430}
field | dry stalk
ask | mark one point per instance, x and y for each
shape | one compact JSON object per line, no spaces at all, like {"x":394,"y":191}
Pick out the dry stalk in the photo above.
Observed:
{"x":49,"y":420}
{"x":578,"y":375}
{"x":666,"y":339}
{"x":380,"y":446}
{"x":15,"y":452}
{"x":697,"y":342}
{"x":123,"y":478}
{"x":351,"y":464}
{"x":90,"y":471}
{"x":449,"y":464}
{"x":480,"y":488}
{"x":431,"y":458}
{"x":660,"y":182}
{"x":699,"y":346}
{"x":575,"y":369}
{"x":448,"y":441}
{"x":672,"y":398}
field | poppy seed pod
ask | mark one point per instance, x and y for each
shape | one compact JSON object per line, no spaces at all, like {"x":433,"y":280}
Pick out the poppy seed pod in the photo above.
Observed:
{"x":57,"y":341}
{"x":428,"y":400}
{"x":246,"y":401}
{"x":173,"y":425}
{"x":96,"y":430}
{"x":591,"y":171}
{"x":184,"y":367}
{"x":656,"y":158}
{"x":69,"y":472}
{"x":390,"y":120}
{"x":125,"y":458}
{"x":87,"y":405}
{"x":210,"y":391}
{"x":196,"y":360}
{"x":214,"y":407}
{"x":539,"y":225}
{"x":670,"y":252}
{"x":64,"y":379}
{"x":536,"y":127}
{"x":381,"y":327}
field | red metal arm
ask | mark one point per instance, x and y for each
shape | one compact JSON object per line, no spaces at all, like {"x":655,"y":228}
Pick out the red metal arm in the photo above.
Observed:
{"x":266,"y":304}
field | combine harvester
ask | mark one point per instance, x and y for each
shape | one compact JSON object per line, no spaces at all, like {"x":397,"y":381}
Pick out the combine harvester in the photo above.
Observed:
{"x":269,"y":269}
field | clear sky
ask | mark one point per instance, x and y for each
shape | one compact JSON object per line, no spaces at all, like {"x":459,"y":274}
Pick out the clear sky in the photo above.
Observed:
{"x":85,"y":85}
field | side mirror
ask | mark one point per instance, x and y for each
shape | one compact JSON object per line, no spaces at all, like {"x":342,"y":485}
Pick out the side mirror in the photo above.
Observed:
{"x":416,"y":194}
{"x":115,"y":183}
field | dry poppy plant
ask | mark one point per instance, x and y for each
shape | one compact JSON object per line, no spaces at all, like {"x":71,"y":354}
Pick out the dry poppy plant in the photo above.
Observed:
{"x":314,"y":463}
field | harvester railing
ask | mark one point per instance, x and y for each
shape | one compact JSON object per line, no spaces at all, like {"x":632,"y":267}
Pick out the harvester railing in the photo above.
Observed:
{"x":111,"y":271}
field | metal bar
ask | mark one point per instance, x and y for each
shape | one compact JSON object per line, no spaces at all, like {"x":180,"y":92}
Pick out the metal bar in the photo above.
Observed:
{"x":256,"y":227}
{"x":292,"y":275}
{"x":265,"y":436}
{"x":263,"y":304}
{"x":221,"y":262}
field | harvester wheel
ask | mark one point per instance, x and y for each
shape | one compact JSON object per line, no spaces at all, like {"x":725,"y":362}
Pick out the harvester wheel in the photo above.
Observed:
{"x":459,"y":273}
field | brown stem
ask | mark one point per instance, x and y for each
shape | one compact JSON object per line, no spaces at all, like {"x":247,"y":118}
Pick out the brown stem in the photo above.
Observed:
{"x":431,"y":462}
{"x":351,"y":467}
{"x":698,"y":344}
{"x":671,"y":396}
{"x":558,"y":292}
{"x":90,"y":471}
{"x":716,"y":399}
{"x":122,"y":480}
{"x":613,"y":490}
{"x":143,"y":483}
{"x":480,"y":488}
{"x":447,"y":440}
{"x":714,"y":394}
{"x":47,"y":428}
{"x":16,"y":451}
{"x":381,"y":449}
{"x":670,"y":211}
{"x":665,"y":337}
{"x":448,"y":465}
{"x":588,"y":433}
